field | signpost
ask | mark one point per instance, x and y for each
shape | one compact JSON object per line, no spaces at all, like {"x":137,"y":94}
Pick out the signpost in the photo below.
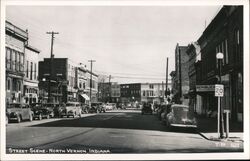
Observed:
{"x":219,"y":92}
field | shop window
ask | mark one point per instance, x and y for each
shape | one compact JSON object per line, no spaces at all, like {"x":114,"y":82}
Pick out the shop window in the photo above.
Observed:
{"x":13,"y":56}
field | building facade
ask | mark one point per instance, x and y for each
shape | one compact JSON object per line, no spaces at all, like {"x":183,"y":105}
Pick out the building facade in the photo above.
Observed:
{"x":130,"y":93}
{"x":31,"y":75}
{"x":194,"y":54}
{"x":92,"y":87}
{"x":115,"y":92}
{"x":153,"y":92}
{"x":81,"y":78}
{"x":15,"y":40}
{"x":59,"y":78}
{"x":224,"y":34}
{"x":181,"y":78}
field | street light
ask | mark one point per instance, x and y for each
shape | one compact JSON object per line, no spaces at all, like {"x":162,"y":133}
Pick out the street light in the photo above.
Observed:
{"x":219,"y":57}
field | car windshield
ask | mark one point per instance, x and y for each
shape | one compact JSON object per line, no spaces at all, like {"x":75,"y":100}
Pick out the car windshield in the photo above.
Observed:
{"x":70,"y":104}
{"x":14,"y":106}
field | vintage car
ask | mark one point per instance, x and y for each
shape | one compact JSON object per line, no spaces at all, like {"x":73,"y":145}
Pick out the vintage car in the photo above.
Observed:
{"x":180,"y":116}
{"x":19,"y":112}
{"x":97,"y":107}
{"x":165,"y":112}
{"x":42,"y":111}
{"x":146,"y":109}
{"x":71,"y":109}
{"x":109,"y":106}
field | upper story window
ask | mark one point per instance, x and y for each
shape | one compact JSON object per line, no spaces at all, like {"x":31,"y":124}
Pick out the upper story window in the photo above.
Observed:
{"x":151,"y":86}
{"x":237,"y":45}
{"x":31,"y":70}
{"x":8,"y":58}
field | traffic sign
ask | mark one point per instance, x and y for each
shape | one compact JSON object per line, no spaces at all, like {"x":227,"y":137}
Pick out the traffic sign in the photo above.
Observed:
{"x":219,"y":90}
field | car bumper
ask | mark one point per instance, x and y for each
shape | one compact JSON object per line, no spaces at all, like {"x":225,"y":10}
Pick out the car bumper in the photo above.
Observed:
{"x":12,"y":118}
{"x":183,"y":125}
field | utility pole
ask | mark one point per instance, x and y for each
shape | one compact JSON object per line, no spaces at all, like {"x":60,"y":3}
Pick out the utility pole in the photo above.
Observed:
{"x":180,"y":85}
{"x":90,"y":88}
{"x":109,"y":88}
{"x":167,"y":77}
{"x":51,"y":62}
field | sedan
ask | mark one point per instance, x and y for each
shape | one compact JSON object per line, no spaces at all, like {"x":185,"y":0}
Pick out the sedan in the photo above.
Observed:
{"x":180,"y":116}
{"x":41,"y":113}
{"x":147,"y":109}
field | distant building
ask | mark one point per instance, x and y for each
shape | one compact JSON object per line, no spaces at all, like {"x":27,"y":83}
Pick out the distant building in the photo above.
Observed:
{"x":31,"y":90}
{"x":16,"y":38}
{"x":153,"y":92}
{"x":181,"y":78}
{"x":194,"y":54}
{"x":81,"y":78}
{"x":104,"y":90}
{"x":130,"y":93}
{"x":93,"y":86}
{"x":63,"y":85}
{"x":115,"y":92}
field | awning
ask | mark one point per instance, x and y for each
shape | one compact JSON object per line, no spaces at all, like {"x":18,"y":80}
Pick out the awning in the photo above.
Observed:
{"x":86,"y":97}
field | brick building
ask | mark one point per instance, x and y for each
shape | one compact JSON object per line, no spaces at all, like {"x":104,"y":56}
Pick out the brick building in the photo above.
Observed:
{"x":130,"y":92}
{"x":181,"y":77}
{"x":63,"y":85}
{"x":194,"y":54}
{"x":224,"y":34}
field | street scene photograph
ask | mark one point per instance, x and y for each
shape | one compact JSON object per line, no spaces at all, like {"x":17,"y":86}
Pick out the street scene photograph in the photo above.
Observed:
{"x":124,"y":79}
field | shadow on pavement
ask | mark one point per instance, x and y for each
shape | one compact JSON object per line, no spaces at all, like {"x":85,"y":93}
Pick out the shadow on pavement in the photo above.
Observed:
{"x":119,"y":120}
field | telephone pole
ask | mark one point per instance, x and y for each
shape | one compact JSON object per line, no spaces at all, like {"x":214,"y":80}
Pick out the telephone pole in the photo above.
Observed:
{"x":51,"y":62}
{"x":90,"y":88}
{"x":109,"y":88}
{"x":167,"y":78}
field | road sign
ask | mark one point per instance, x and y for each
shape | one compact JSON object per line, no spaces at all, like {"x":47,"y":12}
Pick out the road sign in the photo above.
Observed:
{"x":219,"y":90}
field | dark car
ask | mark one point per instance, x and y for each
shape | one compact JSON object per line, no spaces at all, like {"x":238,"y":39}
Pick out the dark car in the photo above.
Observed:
{"x":85,"y":108}
{"x":41,"y":113}
{"x":97,"y":107}
{"x":18,"y":112}
{"x":181,"y":116}
{"x":147,"y":109}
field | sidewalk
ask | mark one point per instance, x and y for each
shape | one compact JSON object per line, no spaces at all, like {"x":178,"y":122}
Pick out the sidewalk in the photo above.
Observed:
{"x":207,"y":127}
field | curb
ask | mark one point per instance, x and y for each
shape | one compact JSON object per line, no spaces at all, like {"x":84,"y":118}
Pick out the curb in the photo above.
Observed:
{"x":211,"y":138}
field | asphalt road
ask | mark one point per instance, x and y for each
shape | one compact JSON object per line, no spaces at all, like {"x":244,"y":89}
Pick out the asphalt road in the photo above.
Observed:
{"x":118,"y":131}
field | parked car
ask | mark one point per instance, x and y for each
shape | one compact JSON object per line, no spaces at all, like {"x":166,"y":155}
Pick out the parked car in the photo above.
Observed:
{"x":42,"y":111}
{"x":71,"y":109}
{"x":7,"y":118}
{"x":97,"y":107}
{"x":160,"y":110}
{"x":147,"y":109}
{"x":85,"y":108}
{"x":52,"y":108}
{"x":18,"y":112}
{"x":109,"y":106}
{"x":180,"y":116}
{"x":166,"y":109}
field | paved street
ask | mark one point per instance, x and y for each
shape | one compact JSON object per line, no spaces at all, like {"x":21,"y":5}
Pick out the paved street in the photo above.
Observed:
{"x":118,"y":131}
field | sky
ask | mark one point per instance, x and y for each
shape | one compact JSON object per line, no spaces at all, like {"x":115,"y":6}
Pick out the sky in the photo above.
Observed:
{"x":130,"y":43}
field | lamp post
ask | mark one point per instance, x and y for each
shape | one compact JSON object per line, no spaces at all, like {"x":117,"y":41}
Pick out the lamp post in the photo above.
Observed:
{"x":219,"y":57}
